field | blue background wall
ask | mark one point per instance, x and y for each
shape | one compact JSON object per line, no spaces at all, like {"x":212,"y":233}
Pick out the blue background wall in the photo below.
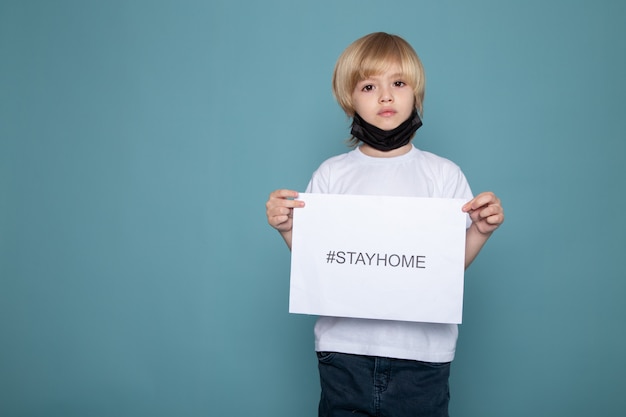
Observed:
{"x":140,"y":139}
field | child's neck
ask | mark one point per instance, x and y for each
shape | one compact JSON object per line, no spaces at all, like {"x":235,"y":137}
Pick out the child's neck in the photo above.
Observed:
{"x":370,"y":151}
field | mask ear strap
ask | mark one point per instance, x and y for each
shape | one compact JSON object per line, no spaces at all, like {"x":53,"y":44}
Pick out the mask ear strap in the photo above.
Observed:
{"x":418,"y":120}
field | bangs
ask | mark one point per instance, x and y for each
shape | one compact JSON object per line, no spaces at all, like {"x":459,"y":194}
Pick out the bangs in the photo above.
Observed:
{"x":380,"y":57}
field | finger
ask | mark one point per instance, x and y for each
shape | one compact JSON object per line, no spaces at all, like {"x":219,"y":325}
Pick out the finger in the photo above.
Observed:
{"x":279,"y":215}
{"x":489,"y":210}
{"x":278,"y":207}
{"x":489,"y":213}
{"x":277,"y":221}
{"x":482,"y":199}
{"x":493,"y":221}
{"x":283,"y":198}
{"x":283,"y":193}
{"x":281,"y":206}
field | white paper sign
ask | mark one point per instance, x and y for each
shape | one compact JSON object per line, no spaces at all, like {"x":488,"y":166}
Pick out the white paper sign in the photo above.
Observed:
{"x":394,"y":258}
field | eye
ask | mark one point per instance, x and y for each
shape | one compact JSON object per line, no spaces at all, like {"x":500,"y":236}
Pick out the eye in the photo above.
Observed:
{"x":367,"y":87}
{"x":399,"y":84}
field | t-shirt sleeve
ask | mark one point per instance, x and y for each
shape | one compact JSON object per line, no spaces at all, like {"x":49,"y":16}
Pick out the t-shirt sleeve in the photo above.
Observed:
{"x":319,"y":181}
{"x":457,"y":186}
{"x":463,"y":190}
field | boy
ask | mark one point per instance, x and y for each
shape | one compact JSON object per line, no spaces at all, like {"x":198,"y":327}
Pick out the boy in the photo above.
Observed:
{"x":381,"y":367}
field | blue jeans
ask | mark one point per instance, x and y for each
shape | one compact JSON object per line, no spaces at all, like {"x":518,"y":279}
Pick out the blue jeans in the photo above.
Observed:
{"x":355,"y":385}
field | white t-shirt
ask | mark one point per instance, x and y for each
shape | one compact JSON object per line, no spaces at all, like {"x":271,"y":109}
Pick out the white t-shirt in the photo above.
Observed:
{"x":414,"y":174}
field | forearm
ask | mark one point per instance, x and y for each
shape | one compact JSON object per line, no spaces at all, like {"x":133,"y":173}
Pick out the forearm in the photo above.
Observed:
{"x":474,"y":242}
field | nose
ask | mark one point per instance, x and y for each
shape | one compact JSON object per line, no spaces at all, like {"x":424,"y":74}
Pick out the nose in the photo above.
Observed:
{"x":385,"y":95}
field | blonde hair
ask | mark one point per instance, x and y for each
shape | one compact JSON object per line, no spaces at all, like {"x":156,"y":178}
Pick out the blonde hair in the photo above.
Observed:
{"x":372,"y":55}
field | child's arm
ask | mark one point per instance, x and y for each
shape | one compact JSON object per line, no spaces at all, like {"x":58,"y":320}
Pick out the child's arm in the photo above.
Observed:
{"x":487,"y":215}
{"x":279,"y":209}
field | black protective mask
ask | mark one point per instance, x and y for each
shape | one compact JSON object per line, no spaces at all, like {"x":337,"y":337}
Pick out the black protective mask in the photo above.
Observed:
{"x":385,"y":140}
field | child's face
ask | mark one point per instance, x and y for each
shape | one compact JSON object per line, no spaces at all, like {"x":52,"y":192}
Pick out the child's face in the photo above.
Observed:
{"x":384,"y":100}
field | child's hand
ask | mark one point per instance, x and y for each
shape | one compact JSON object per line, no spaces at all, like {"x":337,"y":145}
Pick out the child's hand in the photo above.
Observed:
{"x":279,"y":209}
{"x":485,"y":211}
